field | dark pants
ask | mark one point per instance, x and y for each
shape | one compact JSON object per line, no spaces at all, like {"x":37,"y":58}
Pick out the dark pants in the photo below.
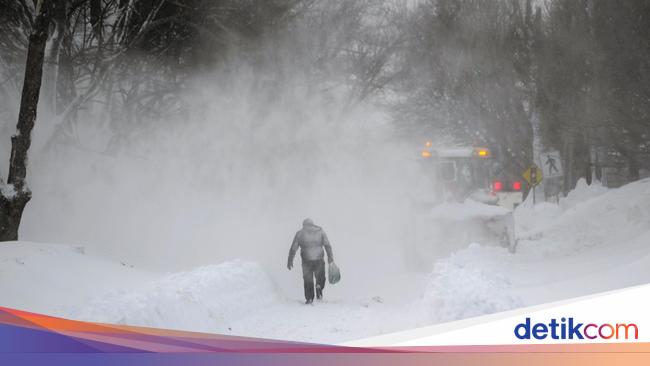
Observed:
{"x":311,"y":269}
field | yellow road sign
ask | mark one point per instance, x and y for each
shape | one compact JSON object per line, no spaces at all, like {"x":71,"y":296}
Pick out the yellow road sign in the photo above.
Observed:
{"x":533,"y":175}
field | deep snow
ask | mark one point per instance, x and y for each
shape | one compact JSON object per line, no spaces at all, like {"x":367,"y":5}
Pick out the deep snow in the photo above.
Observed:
{"x":594,"y":240}
{"x":52,"y":279}
{"x":203,"y":299}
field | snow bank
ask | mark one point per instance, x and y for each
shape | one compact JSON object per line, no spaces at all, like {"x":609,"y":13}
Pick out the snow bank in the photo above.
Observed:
{"x":459,"y":287}
{"x":529,"y":216}
{"x":595,"y":240}
{"x":590,"y":216}
{"x":581,"y":193}
{"x":53,"y":278}
{"x":205,"y":299}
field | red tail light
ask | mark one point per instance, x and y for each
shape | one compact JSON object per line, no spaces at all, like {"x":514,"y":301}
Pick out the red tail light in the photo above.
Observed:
{"x":516,"y":185}
{"x":497,"y":186}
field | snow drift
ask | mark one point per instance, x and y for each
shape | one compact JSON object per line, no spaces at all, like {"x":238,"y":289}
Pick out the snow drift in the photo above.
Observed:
{"x":594,"y":240}
{"x":204,"y":299}
{"x":460,"y":287}
{"x":52,"y":279}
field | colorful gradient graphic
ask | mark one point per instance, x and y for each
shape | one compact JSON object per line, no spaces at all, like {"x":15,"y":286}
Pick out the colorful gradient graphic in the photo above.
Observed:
{"x":34,"y":339}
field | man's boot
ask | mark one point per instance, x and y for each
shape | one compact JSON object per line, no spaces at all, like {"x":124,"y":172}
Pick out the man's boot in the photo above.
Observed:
{"x":319,"y":292}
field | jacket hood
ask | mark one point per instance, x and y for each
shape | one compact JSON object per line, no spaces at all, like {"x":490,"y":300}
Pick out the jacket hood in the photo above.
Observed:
{"x":312,"y":228}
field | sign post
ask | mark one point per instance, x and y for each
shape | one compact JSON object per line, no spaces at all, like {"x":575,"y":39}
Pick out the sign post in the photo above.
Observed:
{"x":533,"y":175}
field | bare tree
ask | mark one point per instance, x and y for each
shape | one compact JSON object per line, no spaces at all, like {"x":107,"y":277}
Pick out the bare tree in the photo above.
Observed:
{"x":16,"y":194}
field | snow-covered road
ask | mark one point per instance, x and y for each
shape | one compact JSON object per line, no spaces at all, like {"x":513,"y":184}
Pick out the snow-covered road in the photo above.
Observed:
{"x":239,"y":298}
{"x":235,"y":297}
{"x":593,"y":240}
{"x":327,"y":322}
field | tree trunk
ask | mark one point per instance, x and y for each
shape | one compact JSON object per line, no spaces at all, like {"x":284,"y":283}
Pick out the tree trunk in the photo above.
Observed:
{"x":15,"y":195}
{"x":633,"y":173}
{"x":11,"y":211}
{"x":567,"y":164}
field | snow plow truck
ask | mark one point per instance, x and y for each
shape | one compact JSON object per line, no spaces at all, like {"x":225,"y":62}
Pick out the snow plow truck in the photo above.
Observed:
{"x":462,"y":198}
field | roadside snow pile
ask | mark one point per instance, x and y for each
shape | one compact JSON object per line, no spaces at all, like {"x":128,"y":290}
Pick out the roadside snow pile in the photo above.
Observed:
{"x":533,"y":219}
{"x":595,"y":240}
{"x":53,"y":278}
{"x":461,"y":286}
{"x":581,"y":193}
{"x":204,"y":299}
{"x":589,"y":217}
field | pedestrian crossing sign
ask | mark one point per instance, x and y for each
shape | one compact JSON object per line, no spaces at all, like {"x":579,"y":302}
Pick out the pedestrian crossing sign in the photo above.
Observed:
{"x":551,"y":164}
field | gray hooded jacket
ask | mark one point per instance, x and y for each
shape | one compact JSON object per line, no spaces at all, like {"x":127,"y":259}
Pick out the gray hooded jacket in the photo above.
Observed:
{"x":311,"y":240}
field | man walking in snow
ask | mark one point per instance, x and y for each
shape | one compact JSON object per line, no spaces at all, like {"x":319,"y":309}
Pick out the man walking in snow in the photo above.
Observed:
{"x":311,"y":240}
